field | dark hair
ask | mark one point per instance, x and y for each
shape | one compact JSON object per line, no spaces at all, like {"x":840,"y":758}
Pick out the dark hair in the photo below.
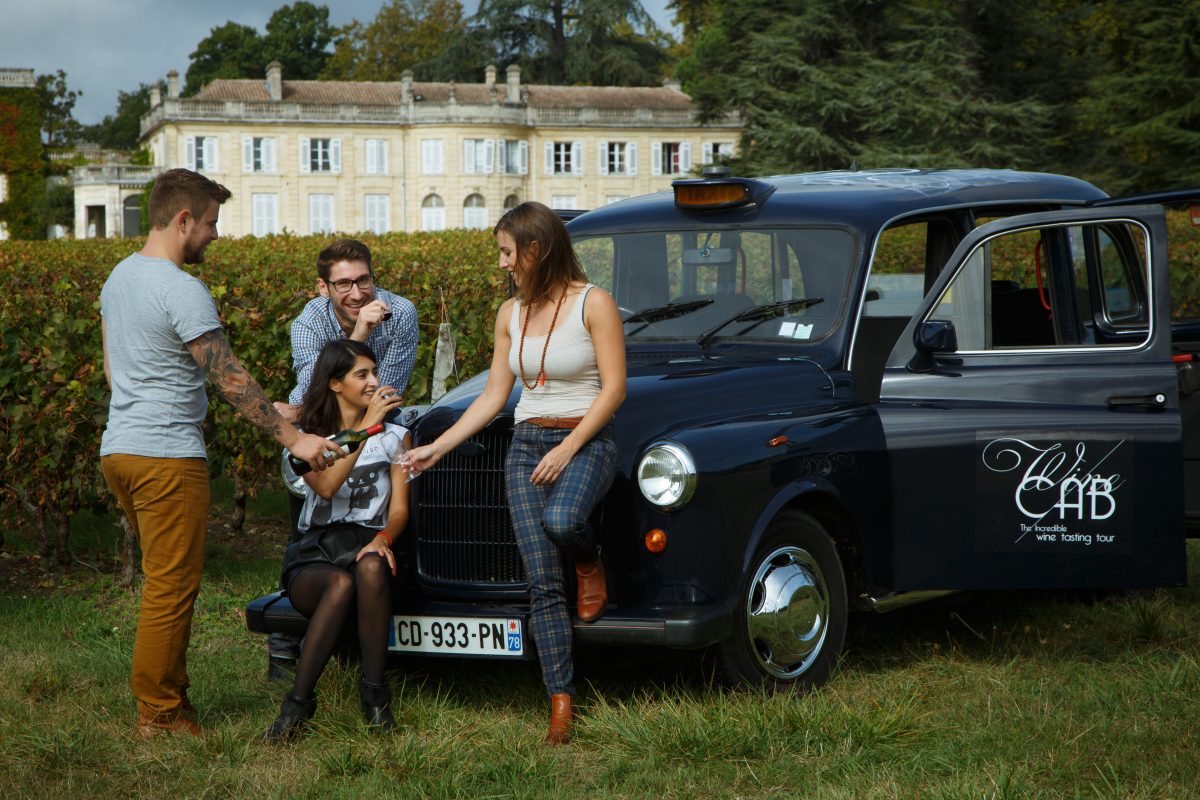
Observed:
{"x":342,"y":250}
{"x":319,"y":413}
{"x":177,"y":189}
{"x":538,"y":230}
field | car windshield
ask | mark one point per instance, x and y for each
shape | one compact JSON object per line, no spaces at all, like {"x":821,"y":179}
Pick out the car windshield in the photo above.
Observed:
{"x":686,"y":284}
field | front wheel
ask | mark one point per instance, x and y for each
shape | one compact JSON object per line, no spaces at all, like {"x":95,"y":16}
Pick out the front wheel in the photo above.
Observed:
{"x":790,"y":622}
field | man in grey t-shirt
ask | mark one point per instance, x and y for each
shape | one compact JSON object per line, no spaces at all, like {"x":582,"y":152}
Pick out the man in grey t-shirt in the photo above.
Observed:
{"x":162,"y":336}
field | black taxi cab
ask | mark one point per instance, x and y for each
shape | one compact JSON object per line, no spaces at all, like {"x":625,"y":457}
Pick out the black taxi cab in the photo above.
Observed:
{"x":847,"y":391}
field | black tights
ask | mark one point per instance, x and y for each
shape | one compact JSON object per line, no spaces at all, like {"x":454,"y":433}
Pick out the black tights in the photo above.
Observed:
{"x":325,"y":594}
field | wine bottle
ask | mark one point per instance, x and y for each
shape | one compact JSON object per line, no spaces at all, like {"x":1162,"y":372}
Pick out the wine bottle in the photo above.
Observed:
{"x":346,"y":441}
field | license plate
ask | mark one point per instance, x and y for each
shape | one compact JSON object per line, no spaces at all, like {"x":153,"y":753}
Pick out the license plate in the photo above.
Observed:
{"x":468,"y":636}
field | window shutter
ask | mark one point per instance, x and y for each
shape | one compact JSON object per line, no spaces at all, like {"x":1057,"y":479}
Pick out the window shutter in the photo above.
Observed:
{"x":335,"y":155}
{"x":549,"y":158}
{"x":189,"y":151}
{"x":656,"y":158}
{"x":469,"y":156}
{"x":210,"y":154}
{"x":501,"y":156}
{"x":305,"y":162}
{"x":685,"y":157}
{"x":523,"y":157}
{"x":489,"y":156}
{"x":372,"y":158}
{"x":247,"y":154}
{"x":268,"y":156}
{"x":709,"y":147}
{"x":576,"y":158}
{"x":602,"y":160}
{"x":381,"y":148}
{"x":631,"y":158}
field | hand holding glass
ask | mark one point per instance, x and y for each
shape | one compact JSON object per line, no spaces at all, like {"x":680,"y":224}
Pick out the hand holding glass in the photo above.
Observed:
{"x":393,"y":445}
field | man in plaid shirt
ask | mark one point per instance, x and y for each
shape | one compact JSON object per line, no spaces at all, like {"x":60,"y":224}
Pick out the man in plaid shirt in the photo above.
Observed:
{"x":351,"y":306}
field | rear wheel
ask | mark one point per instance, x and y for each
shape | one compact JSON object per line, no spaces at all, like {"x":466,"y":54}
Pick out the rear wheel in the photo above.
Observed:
{"x":790,"y":623}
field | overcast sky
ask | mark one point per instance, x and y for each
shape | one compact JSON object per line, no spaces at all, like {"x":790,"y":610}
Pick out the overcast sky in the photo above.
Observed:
{"x":110,"y":45}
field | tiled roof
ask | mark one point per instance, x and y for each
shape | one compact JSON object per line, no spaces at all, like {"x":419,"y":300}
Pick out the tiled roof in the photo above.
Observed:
{"x":385,"y":93}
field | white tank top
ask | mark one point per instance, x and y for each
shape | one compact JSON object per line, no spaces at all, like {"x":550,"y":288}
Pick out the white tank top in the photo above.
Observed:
{"x":572,"y":378}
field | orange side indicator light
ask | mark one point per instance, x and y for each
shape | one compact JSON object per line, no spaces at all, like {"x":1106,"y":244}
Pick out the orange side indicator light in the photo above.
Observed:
{"x":656,"y":540}
{"x":777,"y":441}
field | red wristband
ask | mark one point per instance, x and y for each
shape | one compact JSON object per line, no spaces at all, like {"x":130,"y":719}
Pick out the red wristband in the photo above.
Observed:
{"x":384,"y":534}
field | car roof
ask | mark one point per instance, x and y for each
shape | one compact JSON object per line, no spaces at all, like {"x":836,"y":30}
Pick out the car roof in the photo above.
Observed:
{"x":866,"y":199}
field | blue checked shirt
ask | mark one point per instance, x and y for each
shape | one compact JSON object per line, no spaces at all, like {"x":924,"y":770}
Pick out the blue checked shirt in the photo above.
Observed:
{"x":394,"y":341}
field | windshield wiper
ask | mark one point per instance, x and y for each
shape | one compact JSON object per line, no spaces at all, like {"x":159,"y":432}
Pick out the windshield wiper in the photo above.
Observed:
{"x":761,"y":314}
{"x":669,"y":311}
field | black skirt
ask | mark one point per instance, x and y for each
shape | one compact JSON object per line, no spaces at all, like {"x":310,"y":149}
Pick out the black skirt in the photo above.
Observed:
{"x":335,"y":544}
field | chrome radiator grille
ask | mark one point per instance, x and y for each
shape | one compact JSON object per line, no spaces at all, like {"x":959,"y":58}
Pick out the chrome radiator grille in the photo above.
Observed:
{"x":464,"y":533}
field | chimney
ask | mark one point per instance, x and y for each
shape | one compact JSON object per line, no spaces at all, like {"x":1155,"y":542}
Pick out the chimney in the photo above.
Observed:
{"x":172,"y":85}
{"x":489,"y":75}
{"x":672,"y":83}
{"x":406,"y":86}
{"x":453,"y":95}
{"x":514,"y":83}
{"x":275,"y":81}
{"x":155,"y":96}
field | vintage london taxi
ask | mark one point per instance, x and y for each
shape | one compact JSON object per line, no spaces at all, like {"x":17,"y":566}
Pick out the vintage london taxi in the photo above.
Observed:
{"x":847,"y":391}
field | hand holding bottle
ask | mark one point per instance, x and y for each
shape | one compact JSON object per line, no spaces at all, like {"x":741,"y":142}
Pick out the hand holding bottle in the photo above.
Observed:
{"x":341,"y":443}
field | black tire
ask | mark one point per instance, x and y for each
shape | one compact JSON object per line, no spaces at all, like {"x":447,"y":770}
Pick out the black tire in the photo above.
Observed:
{"x":790,"y":621}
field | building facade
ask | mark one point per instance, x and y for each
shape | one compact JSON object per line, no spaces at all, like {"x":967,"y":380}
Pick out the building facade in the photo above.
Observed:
{"x":324,"y":156}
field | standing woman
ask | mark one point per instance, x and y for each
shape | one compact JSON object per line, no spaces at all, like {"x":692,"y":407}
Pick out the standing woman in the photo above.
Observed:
{"x":353,"y":510}
{"x":563,"y":337}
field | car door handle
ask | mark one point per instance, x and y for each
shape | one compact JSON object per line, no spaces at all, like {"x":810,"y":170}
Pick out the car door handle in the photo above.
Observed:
{"x":1154,"y":401}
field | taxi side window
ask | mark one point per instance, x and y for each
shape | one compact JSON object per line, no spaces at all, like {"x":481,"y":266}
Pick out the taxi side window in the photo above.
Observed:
{"x":1061,"y":286}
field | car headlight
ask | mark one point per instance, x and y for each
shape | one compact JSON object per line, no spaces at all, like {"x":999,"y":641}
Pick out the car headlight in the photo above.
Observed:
{"x":666,"y":475}
{"x":294,"y":484}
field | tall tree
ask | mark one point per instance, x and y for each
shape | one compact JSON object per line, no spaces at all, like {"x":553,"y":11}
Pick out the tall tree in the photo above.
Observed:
{"x":298,"y":37}
{"x":573,"y":41}
{"x":833,"y":82}
{"x":405,"y":34}
{"x":229,"y":51}
{"x":1141,"y":115}
{"x":121,"y":129}
{"x":59,"y":127}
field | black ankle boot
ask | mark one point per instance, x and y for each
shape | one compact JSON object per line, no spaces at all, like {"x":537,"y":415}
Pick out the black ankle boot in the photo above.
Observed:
{"x":376,"y":701}
{"x":292,"y":715}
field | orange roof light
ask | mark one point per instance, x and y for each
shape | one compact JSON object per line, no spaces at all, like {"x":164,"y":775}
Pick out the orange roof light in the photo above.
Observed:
{"x":656,"y":540}
{"x":708,"y":195}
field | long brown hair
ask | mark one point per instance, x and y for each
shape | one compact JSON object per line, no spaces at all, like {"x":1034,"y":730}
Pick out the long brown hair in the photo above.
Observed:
{"x":539,"y":232}
{"x":320,"y":413}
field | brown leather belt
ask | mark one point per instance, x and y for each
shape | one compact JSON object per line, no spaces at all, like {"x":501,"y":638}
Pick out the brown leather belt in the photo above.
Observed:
{"x":555,"y":422}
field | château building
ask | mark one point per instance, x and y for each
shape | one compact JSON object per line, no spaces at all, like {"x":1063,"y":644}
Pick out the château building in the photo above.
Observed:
{"x":324,"y":156}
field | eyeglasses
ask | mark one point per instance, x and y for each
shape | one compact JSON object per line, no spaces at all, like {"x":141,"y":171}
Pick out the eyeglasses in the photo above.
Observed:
{"x":364,"y":284}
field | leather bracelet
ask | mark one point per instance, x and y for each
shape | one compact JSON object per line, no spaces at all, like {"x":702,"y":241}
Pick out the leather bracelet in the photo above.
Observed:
{"x":385,"y":535}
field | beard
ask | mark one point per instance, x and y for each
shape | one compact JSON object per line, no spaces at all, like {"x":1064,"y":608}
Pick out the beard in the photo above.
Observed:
{"x":193,"y":254}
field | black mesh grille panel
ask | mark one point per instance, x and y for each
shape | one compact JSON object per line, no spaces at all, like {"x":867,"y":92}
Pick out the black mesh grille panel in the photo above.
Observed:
{"x":464,"y":533}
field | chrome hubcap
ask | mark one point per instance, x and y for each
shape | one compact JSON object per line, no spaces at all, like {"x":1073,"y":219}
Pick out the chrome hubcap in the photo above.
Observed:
{"x":787,"y":612}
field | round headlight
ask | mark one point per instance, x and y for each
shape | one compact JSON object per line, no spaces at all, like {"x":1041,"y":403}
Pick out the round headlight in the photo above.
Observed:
{"x":666,"y":475}
{"x":293,"y":482}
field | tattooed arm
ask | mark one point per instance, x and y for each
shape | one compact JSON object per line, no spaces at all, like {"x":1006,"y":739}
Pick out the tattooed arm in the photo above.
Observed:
{"x":212,"y":352}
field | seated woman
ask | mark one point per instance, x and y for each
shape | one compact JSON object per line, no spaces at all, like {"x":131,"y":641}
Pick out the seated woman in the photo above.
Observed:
{"x":353,"y":511}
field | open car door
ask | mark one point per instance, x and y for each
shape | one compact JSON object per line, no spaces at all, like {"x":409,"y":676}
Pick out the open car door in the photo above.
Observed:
{"x":1031,"y":411}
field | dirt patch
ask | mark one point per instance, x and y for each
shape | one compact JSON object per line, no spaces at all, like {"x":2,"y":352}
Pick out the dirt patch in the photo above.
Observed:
{"x":25,"y":573}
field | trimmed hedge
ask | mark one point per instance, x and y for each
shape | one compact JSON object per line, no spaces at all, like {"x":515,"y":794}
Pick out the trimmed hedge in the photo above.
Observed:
{"x":52,"y":386}
{"x":21,"y":159}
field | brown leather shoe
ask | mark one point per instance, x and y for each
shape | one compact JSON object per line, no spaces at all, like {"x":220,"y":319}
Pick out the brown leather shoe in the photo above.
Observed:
{"x":148,"y":727}
{"x":593,"y":590}
{"x":560,"y":719}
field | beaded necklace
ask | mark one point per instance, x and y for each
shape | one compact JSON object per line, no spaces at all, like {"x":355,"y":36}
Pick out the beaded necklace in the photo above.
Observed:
{"x":540,"y":380}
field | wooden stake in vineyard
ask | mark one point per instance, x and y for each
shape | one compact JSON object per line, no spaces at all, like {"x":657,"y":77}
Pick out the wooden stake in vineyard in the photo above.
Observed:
{"x":443,"y":357}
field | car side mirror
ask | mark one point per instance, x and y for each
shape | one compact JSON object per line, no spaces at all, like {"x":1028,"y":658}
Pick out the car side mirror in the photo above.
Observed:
{"x":933,"y":336}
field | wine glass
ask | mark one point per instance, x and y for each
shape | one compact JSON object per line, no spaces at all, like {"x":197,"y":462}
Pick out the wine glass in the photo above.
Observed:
{"x":397,"y":453}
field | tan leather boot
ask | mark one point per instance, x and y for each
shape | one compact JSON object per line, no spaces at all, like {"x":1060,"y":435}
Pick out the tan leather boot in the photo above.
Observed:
{"x":593,"y":590}
{"x":560,"y":719}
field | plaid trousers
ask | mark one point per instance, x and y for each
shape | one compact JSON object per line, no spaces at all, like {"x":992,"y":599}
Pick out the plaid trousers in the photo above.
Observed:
{"x":547,"y":520}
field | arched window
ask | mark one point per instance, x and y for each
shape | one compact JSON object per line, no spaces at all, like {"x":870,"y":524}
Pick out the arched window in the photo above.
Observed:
{"x":511,"y":202}
{"x":433,"y":213}
{"x":475,"y":212}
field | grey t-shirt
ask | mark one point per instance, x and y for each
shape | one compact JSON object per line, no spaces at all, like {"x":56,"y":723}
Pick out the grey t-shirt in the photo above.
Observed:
{"x":151,"y":310}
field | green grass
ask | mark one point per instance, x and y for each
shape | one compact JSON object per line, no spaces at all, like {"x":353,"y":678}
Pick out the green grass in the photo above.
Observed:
{"x":987,"y":695}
